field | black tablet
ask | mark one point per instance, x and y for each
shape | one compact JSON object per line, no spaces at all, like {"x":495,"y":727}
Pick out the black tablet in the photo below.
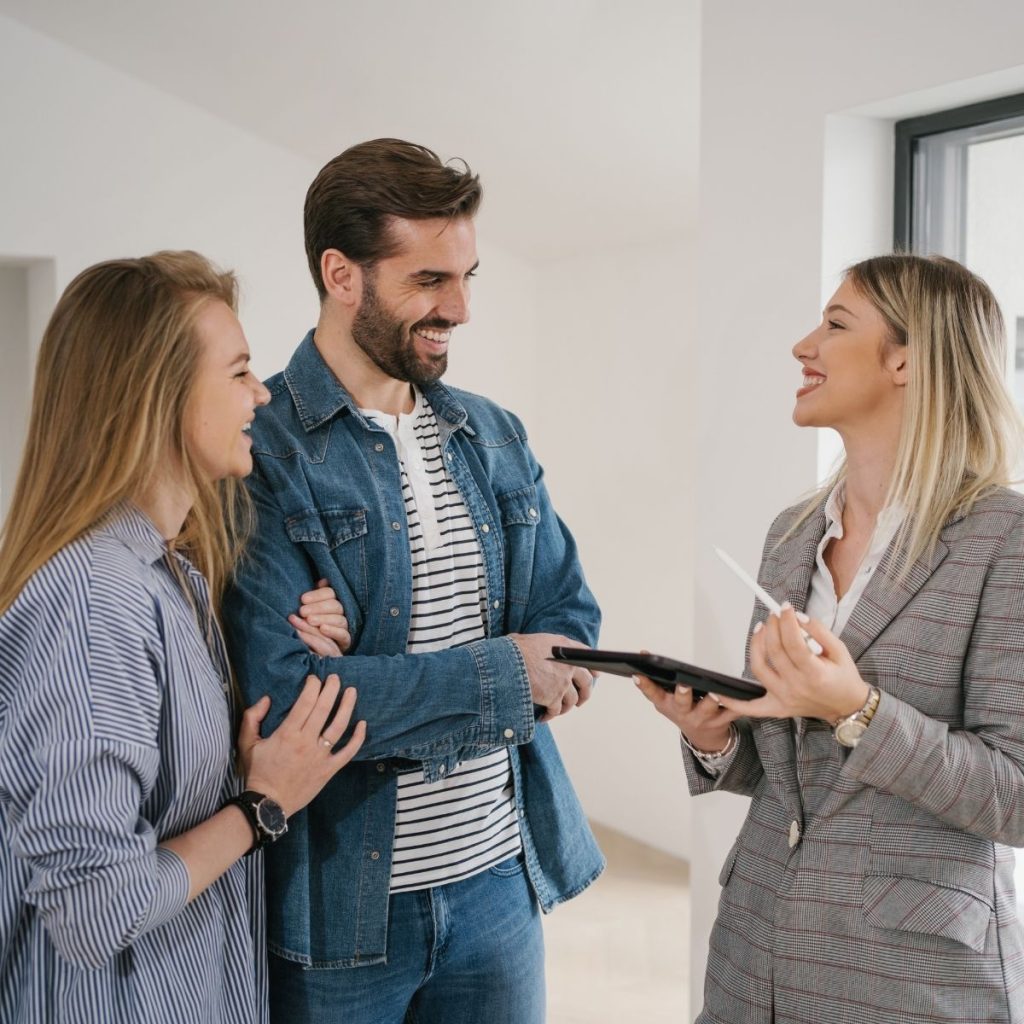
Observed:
{"x":666,"y":672}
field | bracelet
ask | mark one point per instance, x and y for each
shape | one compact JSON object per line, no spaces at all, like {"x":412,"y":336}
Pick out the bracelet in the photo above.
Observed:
{"x":713,"y":759}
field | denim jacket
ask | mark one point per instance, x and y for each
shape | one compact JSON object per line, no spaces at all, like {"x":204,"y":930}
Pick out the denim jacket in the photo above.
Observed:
{"x":327,"y":489}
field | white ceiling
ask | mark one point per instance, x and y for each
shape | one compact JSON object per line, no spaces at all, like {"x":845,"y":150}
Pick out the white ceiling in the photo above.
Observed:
{"x":580,"y":115}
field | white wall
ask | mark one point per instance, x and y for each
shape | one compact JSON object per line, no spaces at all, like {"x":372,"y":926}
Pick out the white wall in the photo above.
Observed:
{"x":614,"y":432}
{"x":27,"y":293}
{"x":14,"y":360}
{"x":771,"y":76}
{"x":98,"y":164}
{"x":497,"y":353}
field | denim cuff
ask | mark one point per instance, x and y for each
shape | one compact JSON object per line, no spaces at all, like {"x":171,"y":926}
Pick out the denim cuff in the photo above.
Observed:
{"x":506,"y":704}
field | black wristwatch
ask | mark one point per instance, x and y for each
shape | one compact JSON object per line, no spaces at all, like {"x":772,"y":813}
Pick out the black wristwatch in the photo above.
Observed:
{"x":265,"y":816}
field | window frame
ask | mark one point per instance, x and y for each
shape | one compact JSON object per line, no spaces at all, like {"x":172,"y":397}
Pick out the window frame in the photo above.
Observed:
{"x":911,"y":129}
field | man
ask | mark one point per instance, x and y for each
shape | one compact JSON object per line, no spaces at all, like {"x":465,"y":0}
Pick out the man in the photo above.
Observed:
{"x":410,"y":888}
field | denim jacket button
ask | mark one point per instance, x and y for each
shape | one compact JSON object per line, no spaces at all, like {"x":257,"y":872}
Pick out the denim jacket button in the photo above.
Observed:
{"x":509,"y":733}
{"x":378,"y":447}
{"x":394,"y":613}
{"x":449,"y":456}
{"x":375,"y":855}
{"x":396,"y":526}
{"x":497,"y":603}
{"x":532,"y":513}
{"x":381,"y":766}
{"x":486,"y":528}
{"x":442,"y":770}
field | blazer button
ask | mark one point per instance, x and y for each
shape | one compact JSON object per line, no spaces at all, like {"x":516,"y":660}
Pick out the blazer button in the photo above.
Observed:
{"x":794,"y":834}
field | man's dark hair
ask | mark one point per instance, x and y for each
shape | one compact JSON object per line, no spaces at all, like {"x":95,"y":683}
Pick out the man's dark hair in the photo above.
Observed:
{"x":350,"y":203}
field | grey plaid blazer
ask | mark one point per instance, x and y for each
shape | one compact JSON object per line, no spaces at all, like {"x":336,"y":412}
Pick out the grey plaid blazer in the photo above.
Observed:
{"x":876,"y":885}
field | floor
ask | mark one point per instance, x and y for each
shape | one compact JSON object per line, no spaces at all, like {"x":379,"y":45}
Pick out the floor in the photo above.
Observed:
{"x":621,"y":950}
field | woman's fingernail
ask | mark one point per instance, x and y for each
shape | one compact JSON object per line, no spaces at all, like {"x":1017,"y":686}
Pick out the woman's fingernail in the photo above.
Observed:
{"x":785,"y":605}
{"x":800,"y":617}
{"x":758,"y":626}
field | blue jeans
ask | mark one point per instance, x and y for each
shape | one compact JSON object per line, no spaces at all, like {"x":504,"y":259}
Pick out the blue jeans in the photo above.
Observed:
{"x":465,"y":953}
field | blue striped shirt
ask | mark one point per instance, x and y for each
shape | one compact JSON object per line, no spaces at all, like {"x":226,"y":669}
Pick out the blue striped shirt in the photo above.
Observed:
{"x":116,"y":733}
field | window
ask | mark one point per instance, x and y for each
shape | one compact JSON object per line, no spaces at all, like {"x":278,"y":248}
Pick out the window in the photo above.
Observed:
{"x":958,"y":194}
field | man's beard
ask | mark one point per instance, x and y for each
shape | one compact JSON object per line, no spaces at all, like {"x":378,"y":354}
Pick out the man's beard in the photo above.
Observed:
{"x":387,"y":342}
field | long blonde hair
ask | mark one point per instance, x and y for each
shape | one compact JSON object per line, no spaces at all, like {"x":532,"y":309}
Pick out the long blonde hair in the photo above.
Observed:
{"x":961,"y":432}
{"x":114,"y":374}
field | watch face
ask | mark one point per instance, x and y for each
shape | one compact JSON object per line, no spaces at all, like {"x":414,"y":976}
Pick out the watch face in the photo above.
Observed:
{"x":271,"y":817}
{"x":849,"y":733}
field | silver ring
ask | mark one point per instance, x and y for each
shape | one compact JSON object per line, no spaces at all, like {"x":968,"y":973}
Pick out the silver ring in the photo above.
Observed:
{"x":326,"y":743}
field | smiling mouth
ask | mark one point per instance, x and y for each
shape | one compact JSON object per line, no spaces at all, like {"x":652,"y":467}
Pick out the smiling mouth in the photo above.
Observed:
{"x":434,"y":339}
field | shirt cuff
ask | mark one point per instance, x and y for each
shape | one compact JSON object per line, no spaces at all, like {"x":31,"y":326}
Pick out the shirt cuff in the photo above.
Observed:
{"x":171,"y":892}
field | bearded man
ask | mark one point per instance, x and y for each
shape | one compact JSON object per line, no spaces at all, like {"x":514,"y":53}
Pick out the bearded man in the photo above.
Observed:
{"x":411,"y":888}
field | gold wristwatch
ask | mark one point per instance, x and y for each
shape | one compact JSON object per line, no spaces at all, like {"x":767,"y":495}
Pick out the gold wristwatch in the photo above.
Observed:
{"x":849,"y":730}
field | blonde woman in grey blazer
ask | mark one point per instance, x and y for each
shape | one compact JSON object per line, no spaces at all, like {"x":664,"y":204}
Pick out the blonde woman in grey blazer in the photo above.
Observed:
{"x":873,"y":878}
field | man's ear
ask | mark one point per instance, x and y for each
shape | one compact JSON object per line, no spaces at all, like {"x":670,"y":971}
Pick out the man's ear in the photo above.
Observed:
{"x":342,"y":277}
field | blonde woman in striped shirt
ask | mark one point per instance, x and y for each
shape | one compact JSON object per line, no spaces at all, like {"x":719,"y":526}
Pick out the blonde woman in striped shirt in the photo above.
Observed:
{"x":125,"y":892}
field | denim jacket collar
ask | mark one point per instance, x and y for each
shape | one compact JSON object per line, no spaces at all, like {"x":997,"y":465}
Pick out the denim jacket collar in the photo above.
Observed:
{"x":319,"y":396}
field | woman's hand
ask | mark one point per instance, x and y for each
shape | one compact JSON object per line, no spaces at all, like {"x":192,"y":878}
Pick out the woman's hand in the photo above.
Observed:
{"x":298,"y":759}
{"x":706,"y":724}
{"x":321,"y":622}
{"x":800,"y":684}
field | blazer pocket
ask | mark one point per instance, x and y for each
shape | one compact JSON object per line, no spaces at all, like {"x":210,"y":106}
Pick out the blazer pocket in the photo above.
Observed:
{"x":730,"y":862}
{"x":914,"y":905}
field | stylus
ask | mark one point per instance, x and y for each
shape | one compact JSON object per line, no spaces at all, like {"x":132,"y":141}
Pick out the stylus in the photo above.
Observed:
{"x":764,"y":597}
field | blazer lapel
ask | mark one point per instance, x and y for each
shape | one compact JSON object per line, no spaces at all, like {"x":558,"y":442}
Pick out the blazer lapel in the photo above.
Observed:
{"x":789,"y":581}
{"x":796,"y":562}
{"x":886,"y":596}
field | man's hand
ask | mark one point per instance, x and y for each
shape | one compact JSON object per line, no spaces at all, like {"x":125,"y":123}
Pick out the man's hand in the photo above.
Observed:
{"x":555,"y":686}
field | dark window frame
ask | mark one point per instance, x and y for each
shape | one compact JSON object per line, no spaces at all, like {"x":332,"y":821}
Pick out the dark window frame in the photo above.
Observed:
{"x":911,"y":129}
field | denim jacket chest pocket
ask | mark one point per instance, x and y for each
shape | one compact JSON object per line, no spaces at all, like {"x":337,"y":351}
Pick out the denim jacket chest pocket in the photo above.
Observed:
{"x":337,"y":534}
{"x":520,"y":517}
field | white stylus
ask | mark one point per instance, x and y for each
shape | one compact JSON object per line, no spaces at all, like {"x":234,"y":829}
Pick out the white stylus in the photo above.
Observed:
{"x":765,"y":598}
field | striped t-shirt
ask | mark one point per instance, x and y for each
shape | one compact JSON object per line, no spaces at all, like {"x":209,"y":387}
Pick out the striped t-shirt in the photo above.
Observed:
{"x":467,"y":822}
